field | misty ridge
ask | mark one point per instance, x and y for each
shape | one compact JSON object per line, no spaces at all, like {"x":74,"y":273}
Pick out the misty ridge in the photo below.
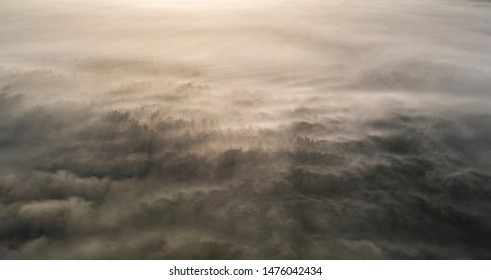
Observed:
{"x":183,"y":130}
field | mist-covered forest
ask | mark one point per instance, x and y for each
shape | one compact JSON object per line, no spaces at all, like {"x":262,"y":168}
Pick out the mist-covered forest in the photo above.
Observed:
{"x":245,"y":130}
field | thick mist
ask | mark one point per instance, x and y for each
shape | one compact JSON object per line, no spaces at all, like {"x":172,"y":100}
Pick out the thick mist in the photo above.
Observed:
{"x":245,"y":130}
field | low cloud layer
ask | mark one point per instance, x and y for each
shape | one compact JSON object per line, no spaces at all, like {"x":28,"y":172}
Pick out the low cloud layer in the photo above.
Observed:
{"x":369,"y":148}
